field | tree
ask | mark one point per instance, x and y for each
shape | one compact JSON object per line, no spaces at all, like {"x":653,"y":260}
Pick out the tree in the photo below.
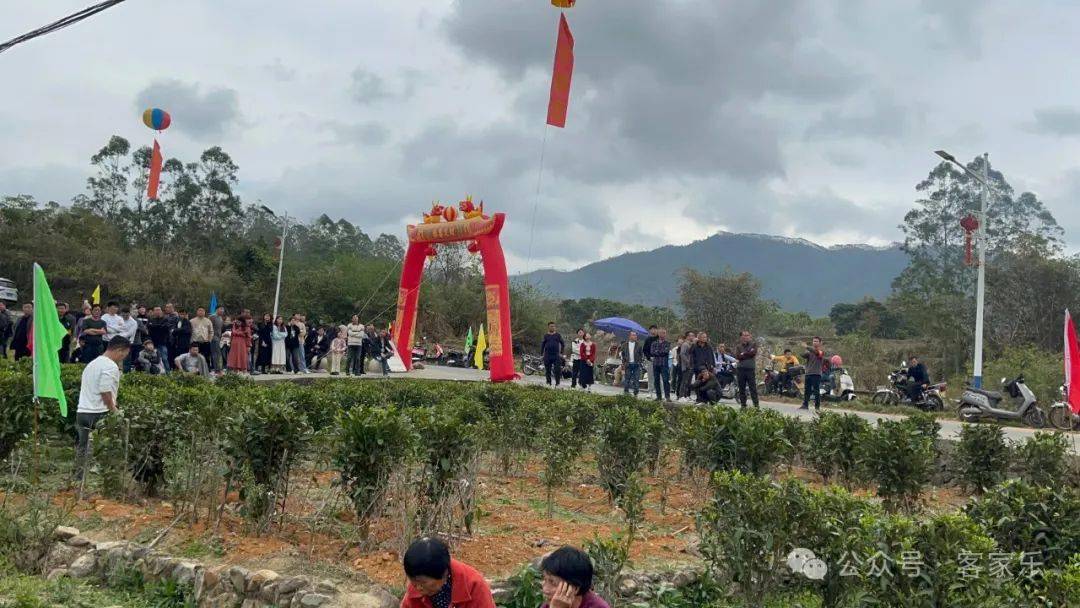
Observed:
{"x":874,"y":318}
{"x":723,"y":305}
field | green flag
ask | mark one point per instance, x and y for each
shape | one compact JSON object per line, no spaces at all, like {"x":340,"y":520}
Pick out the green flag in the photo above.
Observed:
{"x":468,"y":341}
{"x":48,"y":335}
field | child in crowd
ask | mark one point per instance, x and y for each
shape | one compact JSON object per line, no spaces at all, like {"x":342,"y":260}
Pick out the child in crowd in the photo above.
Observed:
{"x":337,"y":351}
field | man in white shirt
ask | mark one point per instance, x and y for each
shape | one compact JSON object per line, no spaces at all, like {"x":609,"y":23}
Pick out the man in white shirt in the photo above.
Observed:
{"x":129,"y":327}
{"x":97,"y":396}
{"x":113,"y":321}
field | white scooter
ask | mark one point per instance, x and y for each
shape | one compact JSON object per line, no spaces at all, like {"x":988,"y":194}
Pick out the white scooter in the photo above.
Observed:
{"x":976,"y":404}
{"x":837,"y":386}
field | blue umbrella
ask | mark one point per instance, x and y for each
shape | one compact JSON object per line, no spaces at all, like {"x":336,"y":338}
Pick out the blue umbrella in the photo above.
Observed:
{"x":619,"y":326}
{"x":213,"y":303}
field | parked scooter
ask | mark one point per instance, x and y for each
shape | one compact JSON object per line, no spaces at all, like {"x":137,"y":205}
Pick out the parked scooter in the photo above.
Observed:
{"x":532,"y":365}
{"x":976,"y":404}
{"x":782,"y":383}
{"x":837,"y":385}
{"x":931,"y":399}
{"x":1061,"y":414}
{"x":725,"y":375}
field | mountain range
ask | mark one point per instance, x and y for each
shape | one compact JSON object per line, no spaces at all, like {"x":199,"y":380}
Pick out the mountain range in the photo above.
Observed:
{"x":798,"y":275}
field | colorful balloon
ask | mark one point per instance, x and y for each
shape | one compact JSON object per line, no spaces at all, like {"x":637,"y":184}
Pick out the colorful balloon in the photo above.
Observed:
{"x":450,"y":213}
{"x":563,"y":3}
{"x":156,"y":119}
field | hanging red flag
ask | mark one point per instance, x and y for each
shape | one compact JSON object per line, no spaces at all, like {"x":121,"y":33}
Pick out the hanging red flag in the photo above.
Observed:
{"x":155,"y":173}
{"x":1072,"y":364}
{"x":561,"y":76}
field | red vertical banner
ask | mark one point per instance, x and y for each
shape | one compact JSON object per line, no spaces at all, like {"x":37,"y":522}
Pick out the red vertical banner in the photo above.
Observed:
{"x":155,"y":172}
{"x":561,"y":76}
{"x":1072,"y":364}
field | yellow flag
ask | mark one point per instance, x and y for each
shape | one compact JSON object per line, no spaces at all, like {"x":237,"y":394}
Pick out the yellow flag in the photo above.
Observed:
{"x":95,"y":298}
{"x":481,"y":346}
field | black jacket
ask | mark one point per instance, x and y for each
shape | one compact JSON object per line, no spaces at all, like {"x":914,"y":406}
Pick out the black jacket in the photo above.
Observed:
{"x":292,"y":336}
{"x":181,"y":336}
{"x":701,"y":357}
{"x":647,"y":346}
{"x":5,"y":326}
{"x":918,"y":374}
{"x":707,"y":391}
{"x":20,"y":339}
{"x":747,"y":355}
{"x":624,"y":352}
{"x":552,"y":346}
{"x":160,"y":332}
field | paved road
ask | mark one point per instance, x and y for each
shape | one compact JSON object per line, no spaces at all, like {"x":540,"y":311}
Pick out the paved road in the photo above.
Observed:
{"x":950,"y":429}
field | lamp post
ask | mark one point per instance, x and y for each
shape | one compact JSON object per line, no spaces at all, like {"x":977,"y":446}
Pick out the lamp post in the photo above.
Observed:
{"x":980,"y":290}
{"x":281,"y":256}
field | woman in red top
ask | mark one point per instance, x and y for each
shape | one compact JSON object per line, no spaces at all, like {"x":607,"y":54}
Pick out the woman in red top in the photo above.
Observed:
{"x":586,"y":376}
{"x":240,"y":345}
{"x":436,"y":581}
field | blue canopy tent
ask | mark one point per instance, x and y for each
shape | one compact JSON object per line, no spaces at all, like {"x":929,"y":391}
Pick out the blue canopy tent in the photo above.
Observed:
{"x":620,"y":327}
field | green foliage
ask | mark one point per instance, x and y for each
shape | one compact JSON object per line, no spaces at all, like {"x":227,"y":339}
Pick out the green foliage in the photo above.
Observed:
{"x":1023,"y":517}
{"x":868,"y":316}
{"x":898,"y":457}
{"x":832,"y":445}
{"x":526,"y":589}
{"x":371,"y":443}
{"x":609,"y":557}
{"x":267,"y":438}
{"x":561,"y":439}
{"x":982,"y":456}
{"x":721,"y":304}
{"x":622,"y":447}
{"x":16,"y":409}
{"x":1042,"y":459}
{"x":448,"y":446}
{"x":509,"y":432}
{"x":719,"y":438}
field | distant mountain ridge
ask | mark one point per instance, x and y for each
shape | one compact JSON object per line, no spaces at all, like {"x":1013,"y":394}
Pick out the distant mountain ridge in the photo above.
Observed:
{"x":797,"y":274}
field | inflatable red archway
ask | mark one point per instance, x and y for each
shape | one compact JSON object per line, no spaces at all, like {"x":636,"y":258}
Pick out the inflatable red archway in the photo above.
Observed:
{"x":483,"y":231}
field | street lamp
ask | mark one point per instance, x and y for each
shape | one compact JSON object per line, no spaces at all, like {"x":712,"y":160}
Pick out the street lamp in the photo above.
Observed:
{"x":980,"y":292}
{"x":281,"y":255}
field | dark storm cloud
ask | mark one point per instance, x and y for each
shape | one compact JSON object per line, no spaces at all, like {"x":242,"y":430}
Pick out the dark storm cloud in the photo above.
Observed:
{"x":197,"y":112}
{"x":1060,"y":121}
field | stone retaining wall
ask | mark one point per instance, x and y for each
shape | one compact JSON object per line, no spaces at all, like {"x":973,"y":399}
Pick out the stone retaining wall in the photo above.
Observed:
{"x":76,"y":556}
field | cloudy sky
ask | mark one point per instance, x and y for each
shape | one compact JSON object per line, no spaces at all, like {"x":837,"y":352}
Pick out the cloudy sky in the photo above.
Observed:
{"x":812,"y":119}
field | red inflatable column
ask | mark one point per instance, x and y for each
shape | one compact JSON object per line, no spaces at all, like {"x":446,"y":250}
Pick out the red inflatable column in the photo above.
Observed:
{"x":412,"y":272}
{"x":497,"y":297}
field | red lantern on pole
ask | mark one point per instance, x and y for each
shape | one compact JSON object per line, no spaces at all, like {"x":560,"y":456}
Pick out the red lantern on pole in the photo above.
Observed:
{"x":970,"y":224}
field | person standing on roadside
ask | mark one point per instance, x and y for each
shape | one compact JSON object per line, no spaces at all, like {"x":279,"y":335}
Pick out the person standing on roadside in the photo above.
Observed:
{"x":575,"y":358}
{"x":660,"y":368}
{"x":701,"y":354}
{"x":217,"y":321}
{"x":686,"y":376}
{"x":241,"y":336}
{"x":202,"y":332}
{"x":98,"y":394}
{"x":338,"y":348}
{"x":93,"y":336}
{"x":588,"y":363}
{"x":551,"y":349}
{"x":815,"y":364}
{"x":181,"y":333}
{"x":746,"y":368}
{"x":20,"y":340}
{"x":68,"y":321}
{"x":6,"y":329}
{"x":631,"y":355}
{"x":160,"y":333}
{"x":129,"y":329}
{"x":354,"y":336}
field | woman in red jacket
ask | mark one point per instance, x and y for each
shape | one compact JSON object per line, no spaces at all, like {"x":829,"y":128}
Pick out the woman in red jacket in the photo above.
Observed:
{"x":436,"y":581}
{"x":587,"y":377}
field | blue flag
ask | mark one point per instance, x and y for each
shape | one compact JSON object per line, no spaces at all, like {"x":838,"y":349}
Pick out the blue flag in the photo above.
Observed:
{"x":213,"y":302}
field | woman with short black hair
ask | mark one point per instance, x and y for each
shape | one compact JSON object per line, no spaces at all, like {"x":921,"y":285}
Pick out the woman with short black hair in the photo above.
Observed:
{"x":567,"y":582}
{"x":437,"y":581}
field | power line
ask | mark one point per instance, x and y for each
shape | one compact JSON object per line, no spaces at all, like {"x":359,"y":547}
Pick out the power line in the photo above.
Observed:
{"x":60,"y":24}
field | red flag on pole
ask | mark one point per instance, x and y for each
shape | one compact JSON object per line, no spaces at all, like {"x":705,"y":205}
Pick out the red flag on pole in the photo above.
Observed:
{"x":1072,"y":364}
{"x":155,"y":172}
{"x":561,"y":76}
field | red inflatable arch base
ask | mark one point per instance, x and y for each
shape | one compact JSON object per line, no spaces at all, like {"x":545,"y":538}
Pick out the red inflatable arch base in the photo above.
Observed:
{"x":444,"y":225}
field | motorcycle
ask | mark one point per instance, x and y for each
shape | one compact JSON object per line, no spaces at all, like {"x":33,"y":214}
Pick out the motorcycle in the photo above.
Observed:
{"x":418,"y":354}
{"x":531,"y":365}
{"x":725,"y":376}
{"x":976,"y":404}
{"x":1061,"y":414}
{"x":456,"y":358}
{"x":931,"y":399}
{"x":784,"y":384}
{"x":837,"y":385}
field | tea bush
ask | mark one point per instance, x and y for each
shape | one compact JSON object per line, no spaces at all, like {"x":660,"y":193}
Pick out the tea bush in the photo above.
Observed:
{"x":16,"y":409}
{"x":760,"y":440}
{"x":898,"y":457}
{"x":561,"y":440}
{"x":832,"y":445}
{"x":267,"y":438}
{"x":371,"y":443}
{"x":1042,"y":459}
{"x":982,"y":456}
{"x":510,"y":431}
{"x":448,"y":446}
{"x":622,"y":447}
{"x":1023,"y":517}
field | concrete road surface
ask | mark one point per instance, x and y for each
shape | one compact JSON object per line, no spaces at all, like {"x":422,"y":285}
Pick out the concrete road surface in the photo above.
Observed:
{"x":950,"y":429}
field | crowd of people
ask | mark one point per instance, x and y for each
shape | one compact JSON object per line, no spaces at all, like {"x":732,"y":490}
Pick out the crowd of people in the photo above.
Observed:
{"x":168,"y":338}
{"x":691,"y":367}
